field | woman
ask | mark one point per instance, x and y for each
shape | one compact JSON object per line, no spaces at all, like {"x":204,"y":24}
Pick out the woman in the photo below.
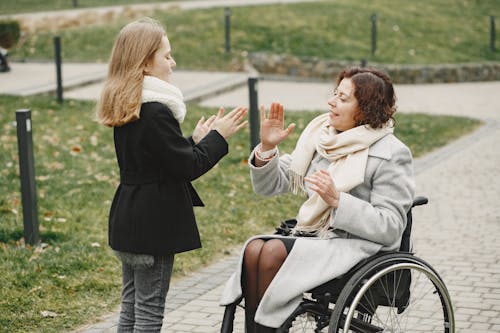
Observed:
{"x":358,"y":179}
{"x":151,"y":215}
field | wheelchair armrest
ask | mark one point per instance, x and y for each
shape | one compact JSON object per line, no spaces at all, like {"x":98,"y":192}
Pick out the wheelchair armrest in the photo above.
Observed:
{"x":419,"y":201}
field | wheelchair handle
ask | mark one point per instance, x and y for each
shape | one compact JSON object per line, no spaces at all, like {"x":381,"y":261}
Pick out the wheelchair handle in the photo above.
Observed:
{"x":419,"y":201}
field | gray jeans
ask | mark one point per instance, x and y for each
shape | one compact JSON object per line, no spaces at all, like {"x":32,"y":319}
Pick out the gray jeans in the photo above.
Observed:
{"x":145,"y":284}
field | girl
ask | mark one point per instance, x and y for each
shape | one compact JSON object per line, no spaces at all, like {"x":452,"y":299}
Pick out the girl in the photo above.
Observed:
{"x":151,"y":216}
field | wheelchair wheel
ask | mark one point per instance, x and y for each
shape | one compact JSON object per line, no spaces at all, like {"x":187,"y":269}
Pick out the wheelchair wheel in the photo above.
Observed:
{"x":309,"y":317}
{"x":396,"y":292}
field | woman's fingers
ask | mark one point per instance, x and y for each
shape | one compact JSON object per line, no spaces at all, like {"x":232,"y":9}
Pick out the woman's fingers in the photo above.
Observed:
{"x":290,"y":129}
{"x":281,"y":113}
{"x":262,"y":114}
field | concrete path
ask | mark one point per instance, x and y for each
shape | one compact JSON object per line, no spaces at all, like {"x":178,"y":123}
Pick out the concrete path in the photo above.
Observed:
{"x":457,"y":232}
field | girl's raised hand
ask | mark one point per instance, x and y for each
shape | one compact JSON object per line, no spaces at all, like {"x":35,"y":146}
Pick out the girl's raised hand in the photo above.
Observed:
{"x":229,"y":124}
{"x":202,"y":128}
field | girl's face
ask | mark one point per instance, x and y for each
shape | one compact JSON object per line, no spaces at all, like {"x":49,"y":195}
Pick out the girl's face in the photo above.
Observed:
{"x":162,"y":63}
{"x":343,"y":106}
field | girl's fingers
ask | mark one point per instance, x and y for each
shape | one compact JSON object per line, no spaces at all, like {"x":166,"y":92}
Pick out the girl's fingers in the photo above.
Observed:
{"x":241,"y":114}
{"x":235,"y":112}
{"x":201,"y":121}
{"x":210,"y":121}
{"x":242,"y":125}
{"x":220,"y":113}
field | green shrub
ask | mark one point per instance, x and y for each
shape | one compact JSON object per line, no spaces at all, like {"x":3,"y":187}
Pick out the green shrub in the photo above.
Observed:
{"x":9,"y":33}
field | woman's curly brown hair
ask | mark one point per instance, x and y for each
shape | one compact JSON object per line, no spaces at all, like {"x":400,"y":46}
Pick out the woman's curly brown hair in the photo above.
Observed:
{"x":375,"y":95}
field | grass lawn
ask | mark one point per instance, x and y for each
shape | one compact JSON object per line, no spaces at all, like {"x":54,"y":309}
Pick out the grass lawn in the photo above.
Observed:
{"x":74,"y":276}
{"x":409,"y":32}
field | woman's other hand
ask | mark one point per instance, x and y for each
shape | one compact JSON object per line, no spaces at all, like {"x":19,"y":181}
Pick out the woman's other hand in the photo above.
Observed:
{"x":202,"y":128}
{"x":231,"y":123}
{"x":272,"y":130}
{"x":323,"y":184}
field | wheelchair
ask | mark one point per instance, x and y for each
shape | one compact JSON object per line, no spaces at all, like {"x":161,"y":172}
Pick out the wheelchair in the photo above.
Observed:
{"x":392,"y":291}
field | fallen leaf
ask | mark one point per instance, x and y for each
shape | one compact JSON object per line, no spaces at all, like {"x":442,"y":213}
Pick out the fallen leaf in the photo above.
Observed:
{"x":76,"y":149}
{"x":48,"y":314}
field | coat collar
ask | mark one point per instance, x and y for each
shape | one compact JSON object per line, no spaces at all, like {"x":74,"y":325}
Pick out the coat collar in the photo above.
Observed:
{"x":382,"y":148}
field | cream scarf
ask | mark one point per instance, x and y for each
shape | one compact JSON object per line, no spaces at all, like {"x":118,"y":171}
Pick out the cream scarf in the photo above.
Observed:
{"x":348,"y":153}
{"x":156,"y":90}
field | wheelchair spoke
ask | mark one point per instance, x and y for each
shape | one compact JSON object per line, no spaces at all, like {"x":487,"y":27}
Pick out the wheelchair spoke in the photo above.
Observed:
{"x":402,"y":297}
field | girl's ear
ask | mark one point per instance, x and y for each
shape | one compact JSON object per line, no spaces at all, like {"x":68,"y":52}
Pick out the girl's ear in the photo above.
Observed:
{"x":146,"y":69}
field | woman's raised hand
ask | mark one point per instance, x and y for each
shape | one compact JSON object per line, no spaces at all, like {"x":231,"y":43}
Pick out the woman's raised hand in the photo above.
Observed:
{"x":230,"y":123}
{"x":272,"y":131}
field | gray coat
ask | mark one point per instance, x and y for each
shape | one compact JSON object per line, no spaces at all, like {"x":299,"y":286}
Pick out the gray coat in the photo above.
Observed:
{"x":370,"y":218}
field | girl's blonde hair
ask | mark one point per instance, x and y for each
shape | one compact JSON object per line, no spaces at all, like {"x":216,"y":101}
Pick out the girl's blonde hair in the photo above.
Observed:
{"x":120,"y":101}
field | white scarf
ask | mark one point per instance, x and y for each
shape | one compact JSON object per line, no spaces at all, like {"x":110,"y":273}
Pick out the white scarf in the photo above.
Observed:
{"x":156,"y":90}
{"x":348,"y":153}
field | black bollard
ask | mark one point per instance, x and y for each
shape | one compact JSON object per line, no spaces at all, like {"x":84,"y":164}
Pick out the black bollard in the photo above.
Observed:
{"x":492,"y":33}
{"x":75,"y":3}
{"x":254,"y":112}
{"x":27,"y":175}
{"x":227,"y":15}
{"x":374,"y":33}
{"x":363,"y":63}
{"x":57,"y":53}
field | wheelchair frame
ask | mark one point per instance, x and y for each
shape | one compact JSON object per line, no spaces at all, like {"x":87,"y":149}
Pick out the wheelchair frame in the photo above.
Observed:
{"x":372,"y":297}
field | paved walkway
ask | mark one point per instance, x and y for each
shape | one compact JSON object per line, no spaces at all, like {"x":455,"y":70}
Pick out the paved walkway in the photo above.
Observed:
{"x":457,"y":232}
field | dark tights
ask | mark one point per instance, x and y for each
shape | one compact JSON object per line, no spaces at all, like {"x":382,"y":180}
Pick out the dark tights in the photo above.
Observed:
{"x":262,"y":260}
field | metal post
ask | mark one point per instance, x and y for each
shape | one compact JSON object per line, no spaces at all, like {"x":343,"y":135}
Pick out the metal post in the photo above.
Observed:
{"x":363,"y":62}
{"x":374,"y":33}
{"x":227,"y":15}
{"x":492,"y":33}
{"x":75,"y":3}
{"x":254,"y":112}
{"x":27,"y":175}
{"x":57,"y":51}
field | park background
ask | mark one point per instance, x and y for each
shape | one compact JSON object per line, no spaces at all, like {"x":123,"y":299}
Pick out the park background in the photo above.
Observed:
{"x":72,"y":277}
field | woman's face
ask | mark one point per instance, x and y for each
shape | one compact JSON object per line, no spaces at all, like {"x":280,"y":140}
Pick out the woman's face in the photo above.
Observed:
{"x":162,"y":63}
{"x":343,"y":106}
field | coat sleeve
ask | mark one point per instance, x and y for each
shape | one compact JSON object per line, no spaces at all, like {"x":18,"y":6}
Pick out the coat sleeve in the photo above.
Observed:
{"x":177,"y":155}
{"x":272,"y":178}
{"x":383,"y":219}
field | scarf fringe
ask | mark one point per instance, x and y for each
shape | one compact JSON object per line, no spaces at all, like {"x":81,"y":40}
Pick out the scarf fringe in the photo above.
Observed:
{"x":297,"y":183}
{"x":321,"y":228}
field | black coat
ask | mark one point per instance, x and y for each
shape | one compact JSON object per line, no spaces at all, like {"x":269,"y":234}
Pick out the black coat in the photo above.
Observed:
{"x":152,"y":211}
